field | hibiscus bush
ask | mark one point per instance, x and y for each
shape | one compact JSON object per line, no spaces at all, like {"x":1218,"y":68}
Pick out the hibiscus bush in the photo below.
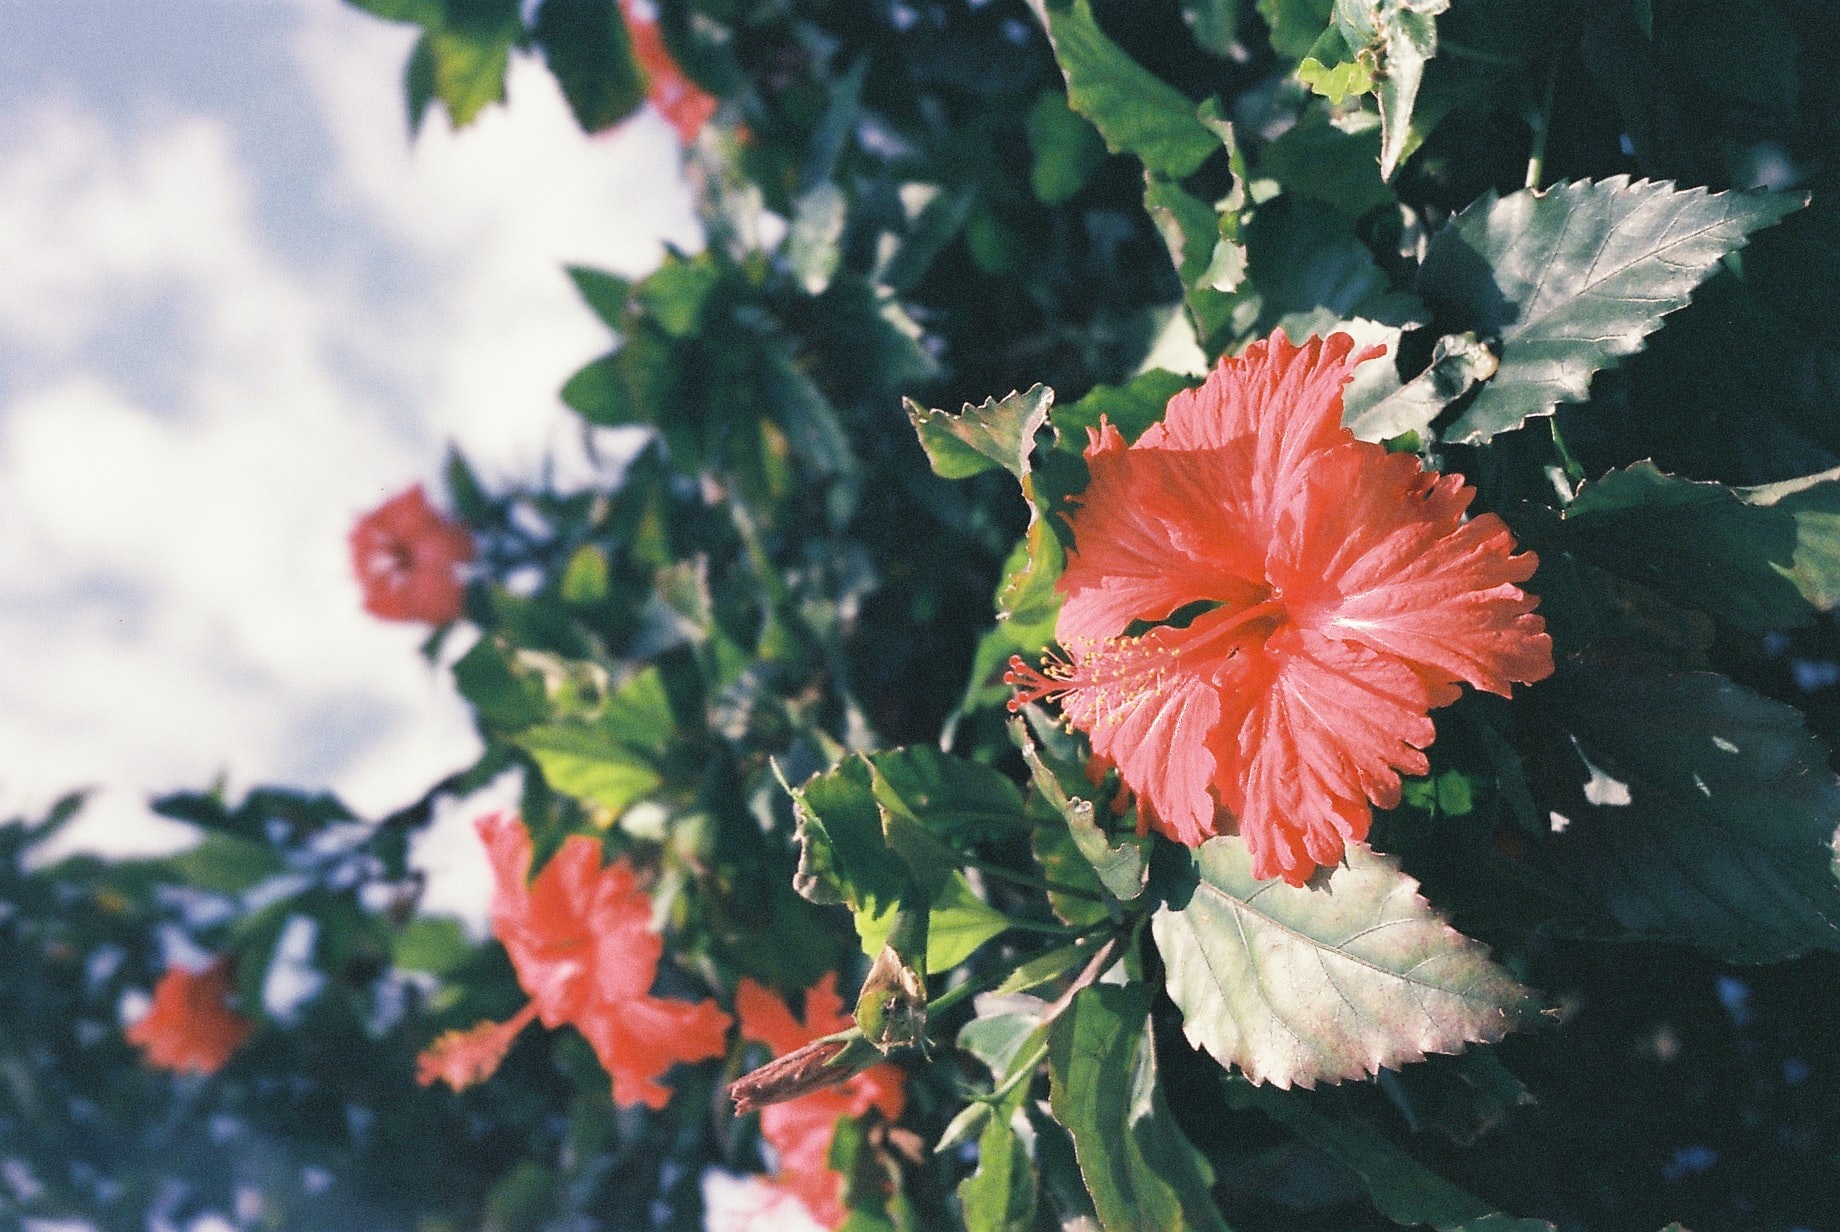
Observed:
{"x":1205,"y":614}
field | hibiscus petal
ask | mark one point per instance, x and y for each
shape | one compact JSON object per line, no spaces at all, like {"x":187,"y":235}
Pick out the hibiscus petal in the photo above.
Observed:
{"x":1383,"y":550}
{"x":639,"y":1039}
{"x":1333,"y":730}
{"x":1287,"y":399}
{"x":1156,"y":530}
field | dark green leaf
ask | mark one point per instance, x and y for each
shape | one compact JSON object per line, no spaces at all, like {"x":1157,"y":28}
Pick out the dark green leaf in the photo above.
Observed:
{"x":1065,"y":148}
{"x":1403,"y":1190}
{"x":1001,"y":432}
{"x":1697,"y":811}
{"x":1569,"y":280}
{"x":420,"y":12}
{"x":1760,"y":558}
{"x":938,"y":224}
{"x":1296,"y":24}
{"x":227,"y":863}
{"x":1331,"y":159}
{"x":1313,"y":272}
{"x":958,"y":800}
{"x":1332,"y":980}
{"x":1139,"y":1169}
{"x":1136,"y":111}
{"x":588,"y":51}
{"x":1215,"y":23}
{"x":1119,"y":861}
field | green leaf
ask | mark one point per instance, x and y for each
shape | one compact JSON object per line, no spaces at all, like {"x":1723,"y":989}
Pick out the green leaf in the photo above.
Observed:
{"x":1119,"y":861}
{"x":605,"y":293}
{"x":1403,"y":1190}
{"x":958,"y":923}
{"x":1381,"y":408}
{"x":958,"y":800}
{"x":1001,"y":432}
{"x":586,"y":46}
{"x":1139,"y":1169}
{"x":586,"y":762}
{"x":676,"y":292}
{"x":469,"y":69}
{"x":1759,"y":558}
{"x":937,"y":225}
{"x":1000,"y":1195}
{"x":1569,"y":280}
{"x":844,"y":856}
{"x":1131,"y":407}
{"x":420,"y":12}
{"x":1065,"y":148}
{"x":1313,"y":272}
{"x":1214,"y":23}
{"x":1136,"y":111}
{"x":1330,"y":159}
{"x":435,"y":944}
{"x":585,"y":579}
{"x":1696,"y":811}
{"x":1331,"y":980}
{"x":1336,"y":82}
{"x":1295,"y":24}
{"x":226,"y":863}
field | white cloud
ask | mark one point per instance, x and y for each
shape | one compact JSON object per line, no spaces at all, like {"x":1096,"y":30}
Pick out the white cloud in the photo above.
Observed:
{"x":198,"y":406}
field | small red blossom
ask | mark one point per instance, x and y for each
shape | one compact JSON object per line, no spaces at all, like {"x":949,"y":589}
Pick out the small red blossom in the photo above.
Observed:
{"x":800,"y":1130}
{"x":407,"y":558}
{"x":1312,"y":598}
{"x":581,"y":941}
{"x":683,"y":104}
{"x":191,"y":1026}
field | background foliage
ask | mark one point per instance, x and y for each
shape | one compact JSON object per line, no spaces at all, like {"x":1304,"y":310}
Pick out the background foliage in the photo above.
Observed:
{"x":764,"y":667}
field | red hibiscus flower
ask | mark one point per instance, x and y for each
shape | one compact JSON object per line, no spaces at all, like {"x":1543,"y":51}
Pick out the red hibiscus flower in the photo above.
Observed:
{"x":191,"y":1025}
{"x":679,"y":100}
{"x":407,"y":556}
{"x":1311,"y":598}
{"x":581,"y":941}
{"x":799,"y":1130}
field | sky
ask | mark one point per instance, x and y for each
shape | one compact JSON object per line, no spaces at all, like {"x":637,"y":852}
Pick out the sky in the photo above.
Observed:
{"x":238,"y":308}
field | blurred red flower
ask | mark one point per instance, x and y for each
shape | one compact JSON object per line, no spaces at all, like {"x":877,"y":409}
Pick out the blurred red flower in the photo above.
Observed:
{"x":581,"y":941}
{"x":800,"y":1130}
{"x":685,"y":105}
{"x":1312,"y":598}
{"x":407,"y":556}
{"x":191,"y":1026}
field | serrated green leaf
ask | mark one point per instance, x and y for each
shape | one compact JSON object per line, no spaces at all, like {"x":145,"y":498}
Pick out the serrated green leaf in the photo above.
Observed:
{"x":1135,"y":111}
{"x":586,"y":762}
{"x":1759,"y":558}
{"x":1065,"y":149}
{"x":1571,"y":279}
{"x":1335,"y":82}
{"x":1403,"y":1190}
{"x":586,"y":46}
{"x":1696,"y":811}
{"x":1139,"y":1169}
{"x":1332,"y":980}
{"x":1001,"y":432}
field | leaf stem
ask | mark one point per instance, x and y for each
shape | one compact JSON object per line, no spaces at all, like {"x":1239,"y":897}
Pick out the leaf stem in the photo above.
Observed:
{"x":1536,"y":158}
